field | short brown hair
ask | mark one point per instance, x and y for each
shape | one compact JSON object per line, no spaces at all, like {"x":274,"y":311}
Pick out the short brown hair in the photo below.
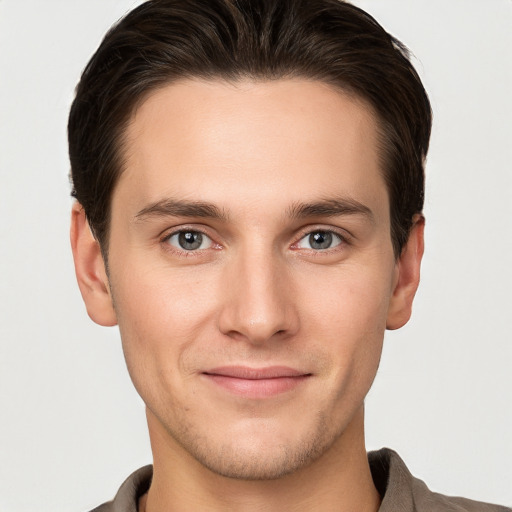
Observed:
{"x":326,"y":40}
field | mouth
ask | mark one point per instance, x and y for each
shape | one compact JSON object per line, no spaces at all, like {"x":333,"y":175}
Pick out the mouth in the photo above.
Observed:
{"x":256,"y":383}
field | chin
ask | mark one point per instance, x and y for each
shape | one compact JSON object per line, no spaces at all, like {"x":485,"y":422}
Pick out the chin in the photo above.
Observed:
{"x":231,"y":462}
{"x":264,"y":454}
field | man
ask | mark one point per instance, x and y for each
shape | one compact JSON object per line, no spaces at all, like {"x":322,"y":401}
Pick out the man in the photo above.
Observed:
{"x":249,"y":185}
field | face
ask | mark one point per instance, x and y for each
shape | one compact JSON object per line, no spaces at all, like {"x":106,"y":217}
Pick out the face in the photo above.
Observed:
{"x":251,"y":269}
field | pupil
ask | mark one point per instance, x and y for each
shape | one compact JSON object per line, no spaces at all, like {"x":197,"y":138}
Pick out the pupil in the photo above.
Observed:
{"x":190,"y":240}
{"x":320,"y":240}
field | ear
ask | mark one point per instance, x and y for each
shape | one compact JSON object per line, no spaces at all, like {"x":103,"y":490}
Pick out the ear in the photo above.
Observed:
{"x":90,"y":270}
{"x":407,"y":276}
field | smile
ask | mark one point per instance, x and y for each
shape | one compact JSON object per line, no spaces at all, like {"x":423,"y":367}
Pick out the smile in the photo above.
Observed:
{"x":256,"y":383}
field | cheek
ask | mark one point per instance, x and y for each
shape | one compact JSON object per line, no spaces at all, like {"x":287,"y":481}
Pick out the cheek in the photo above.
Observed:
{"x":352,"y":300}
{"x":160,"y":315}
{"x":348,"y":318}
{"x":159,"y":304}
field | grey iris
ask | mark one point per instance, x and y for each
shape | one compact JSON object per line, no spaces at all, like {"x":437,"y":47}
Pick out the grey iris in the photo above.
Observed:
{"x":190,"y":240}
{"x":320,"y":240}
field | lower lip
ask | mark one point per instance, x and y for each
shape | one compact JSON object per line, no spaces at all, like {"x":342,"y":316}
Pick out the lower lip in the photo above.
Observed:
{"x":256,"y":388}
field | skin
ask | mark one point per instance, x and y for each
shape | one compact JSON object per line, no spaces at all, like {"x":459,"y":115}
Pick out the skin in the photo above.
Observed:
{"x":258,"y":292}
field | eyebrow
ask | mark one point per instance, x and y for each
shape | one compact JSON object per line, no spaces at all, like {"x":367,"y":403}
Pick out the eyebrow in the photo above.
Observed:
{"x":324,"y":208}
{"x":330,"y":208}
{"x":181,"y":208}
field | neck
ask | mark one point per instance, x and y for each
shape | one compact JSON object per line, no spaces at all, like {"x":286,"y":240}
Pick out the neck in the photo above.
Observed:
{"x":340,"y":480}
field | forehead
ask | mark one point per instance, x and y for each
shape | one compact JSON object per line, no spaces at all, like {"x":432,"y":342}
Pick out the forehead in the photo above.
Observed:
{"x":285,"y":140}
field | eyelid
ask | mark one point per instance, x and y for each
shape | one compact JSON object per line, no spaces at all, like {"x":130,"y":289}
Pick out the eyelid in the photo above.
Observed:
{"x":168,"y":234}
{"x":337,"y":243}
{"x":343,"y":234}
{"x":204,"y":240}
{"x":164,"y":237}
{"x":179,"y":228}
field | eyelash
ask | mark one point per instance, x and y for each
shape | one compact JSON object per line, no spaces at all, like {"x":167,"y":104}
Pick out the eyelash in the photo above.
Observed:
{"x":344,"y":241}
{"x":182,"y":252}
{"x":343,"y":236}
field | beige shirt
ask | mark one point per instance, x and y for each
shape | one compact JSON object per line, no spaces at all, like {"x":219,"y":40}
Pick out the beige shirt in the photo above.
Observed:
{"x":400,"y":491}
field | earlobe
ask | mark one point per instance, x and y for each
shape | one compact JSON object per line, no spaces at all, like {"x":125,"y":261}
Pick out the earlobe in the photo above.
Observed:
{"x":408,"y":276}
{"x":90,"y":270}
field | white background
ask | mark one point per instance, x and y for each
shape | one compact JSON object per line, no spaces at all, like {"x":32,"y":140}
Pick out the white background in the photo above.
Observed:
{"x":72,"y":427}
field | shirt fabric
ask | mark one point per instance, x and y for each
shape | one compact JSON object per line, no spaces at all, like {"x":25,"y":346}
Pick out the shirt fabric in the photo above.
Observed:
{"x":400,"y":491}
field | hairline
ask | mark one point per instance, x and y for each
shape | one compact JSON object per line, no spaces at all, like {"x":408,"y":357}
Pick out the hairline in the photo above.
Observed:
{"x":122,"y":140}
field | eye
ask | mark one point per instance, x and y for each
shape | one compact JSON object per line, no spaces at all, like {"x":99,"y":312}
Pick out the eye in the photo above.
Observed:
{"x":189,"y":240}
{"x":320,"y":240}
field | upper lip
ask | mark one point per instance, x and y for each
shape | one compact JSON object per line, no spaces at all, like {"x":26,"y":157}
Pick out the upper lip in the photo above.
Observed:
{"x":245,"y":372}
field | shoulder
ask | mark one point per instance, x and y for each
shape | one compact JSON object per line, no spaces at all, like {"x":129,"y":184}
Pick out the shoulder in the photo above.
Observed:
{"x":129,"y":493}
{"x":402,"y":491}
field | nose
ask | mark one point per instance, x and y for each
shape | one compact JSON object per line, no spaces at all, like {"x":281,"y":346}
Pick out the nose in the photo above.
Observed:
{"x":257,"y":303}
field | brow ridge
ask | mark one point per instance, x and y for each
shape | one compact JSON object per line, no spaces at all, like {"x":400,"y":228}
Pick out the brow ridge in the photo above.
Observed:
{"x":181,"y":208}
{"x":331,"y":207}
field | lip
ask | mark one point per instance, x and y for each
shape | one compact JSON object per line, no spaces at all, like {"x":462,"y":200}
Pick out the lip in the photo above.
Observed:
{"x":256,"y":383}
